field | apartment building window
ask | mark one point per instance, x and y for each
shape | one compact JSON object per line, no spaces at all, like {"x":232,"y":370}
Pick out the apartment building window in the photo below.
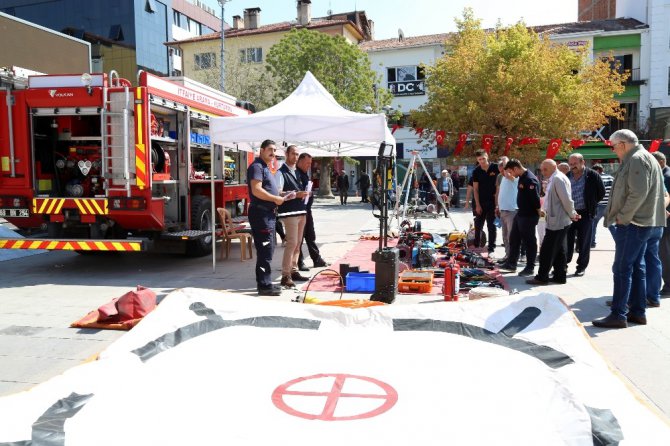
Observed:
{"x":176,"y":18}
{"x":205,"y":61}
{"x":668,"y":81}
{"x":251,"y":55}
{"x":406,"y":80}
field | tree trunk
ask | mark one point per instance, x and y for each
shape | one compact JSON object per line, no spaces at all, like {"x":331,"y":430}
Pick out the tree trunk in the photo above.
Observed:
{"x":324,"y":181}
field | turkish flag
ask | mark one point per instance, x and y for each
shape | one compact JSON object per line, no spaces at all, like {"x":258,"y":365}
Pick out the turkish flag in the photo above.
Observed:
{"x":508,"y":145}
{"x":575,"y":143}
{"x":395,"y":127}
{"x":439,"y":137}
{"x":526,"y":141}
{"x":487,"y":143}
{"x":418,"y":130}
{"x":655,"y":145}
{"x":553,"y":148}
{"x":462,"y":138}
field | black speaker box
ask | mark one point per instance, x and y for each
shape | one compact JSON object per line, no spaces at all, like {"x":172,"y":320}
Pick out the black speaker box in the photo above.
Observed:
{"x":386,"y":275}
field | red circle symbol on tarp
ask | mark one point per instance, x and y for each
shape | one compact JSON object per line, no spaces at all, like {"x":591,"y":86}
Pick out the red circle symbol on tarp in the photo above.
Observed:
{"x":387,"y":396}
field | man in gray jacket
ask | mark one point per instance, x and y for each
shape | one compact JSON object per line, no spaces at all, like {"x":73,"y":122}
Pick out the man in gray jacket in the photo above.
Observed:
{"x":637,"y":208}
{"x":559,"y":211}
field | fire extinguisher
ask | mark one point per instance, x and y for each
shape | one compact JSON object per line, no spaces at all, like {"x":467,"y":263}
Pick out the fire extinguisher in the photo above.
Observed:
{"x":167,"y":162}
{"x":452,"y":281}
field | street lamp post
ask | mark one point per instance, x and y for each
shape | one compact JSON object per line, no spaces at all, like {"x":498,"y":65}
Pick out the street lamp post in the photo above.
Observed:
{"x":223,"y":45}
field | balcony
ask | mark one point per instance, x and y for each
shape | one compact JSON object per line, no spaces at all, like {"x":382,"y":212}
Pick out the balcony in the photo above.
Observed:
{"x":634,"y":78}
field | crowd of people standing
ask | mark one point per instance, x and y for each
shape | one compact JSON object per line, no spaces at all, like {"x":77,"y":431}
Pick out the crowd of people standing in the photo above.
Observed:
{"x":562,"y":212}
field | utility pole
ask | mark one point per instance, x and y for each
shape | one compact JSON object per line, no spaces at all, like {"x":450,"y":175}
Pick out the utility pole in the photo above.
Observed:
{"x":223,"y":45}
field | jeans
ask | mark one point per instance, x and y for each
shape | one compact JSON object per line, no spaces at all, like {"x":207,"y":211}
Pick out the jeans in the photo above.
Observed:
{"x":653,"y":267}
{"x":600,"y":213}
{"x":664,"y":254}
{"x":628,"y":269}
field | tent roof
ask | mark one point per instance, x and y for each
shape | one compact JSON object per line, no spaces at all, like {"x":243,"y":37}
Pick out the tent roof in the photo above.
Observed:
{"x":310,"y":118}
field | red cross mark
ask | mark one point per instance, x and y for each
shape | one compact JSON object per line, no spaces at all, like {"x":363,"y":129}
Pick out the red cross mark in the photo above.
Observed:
{"x":387,"y":397}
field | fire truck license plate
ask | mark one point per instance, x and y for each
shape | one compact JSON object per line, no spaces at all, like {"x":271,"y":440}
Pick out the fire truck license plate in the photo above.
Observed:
{"x":14,"y":213}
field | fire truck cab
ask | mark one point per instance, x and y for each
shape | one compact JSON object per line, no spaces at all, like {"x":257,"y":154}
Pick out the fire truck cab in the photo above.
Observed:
{"x":91,"y":163}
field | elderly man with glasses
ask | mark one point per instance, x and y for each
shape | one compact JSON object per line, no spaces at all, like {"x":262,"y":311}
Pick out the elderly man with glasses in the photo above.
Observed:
{"x":637,"y":209}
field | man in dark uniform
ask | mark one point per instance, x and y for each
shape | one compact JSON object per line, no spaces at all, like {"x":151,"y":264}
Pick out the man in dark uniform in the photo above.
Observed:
{"x":525,"y":221}
{"x":304,"y":163}
{"x":484,"y":192}
{"x":262,"y":216}
{"x":343,"y":187}
{"x":364,"y":183}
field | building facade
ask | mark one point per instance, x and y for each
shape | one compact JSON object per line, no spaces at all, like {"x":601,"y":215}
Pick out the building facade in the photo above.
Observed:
{"x":399,"y":63}
{"x":33,"y":47}
{"x":141,"y":26}
{"x":626,"y":40}
{"x":248,"y":40}
{"x":596,"y":10}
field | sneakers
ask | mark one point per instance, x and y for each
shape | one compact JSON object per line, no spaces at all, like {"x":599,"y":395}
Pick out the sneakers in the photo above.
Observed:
{"x":579,"y":272}
{"x":286,"y":282}
{"x":297,"y":277}
{"x":320,"y":263}
{"x":273,"y":290}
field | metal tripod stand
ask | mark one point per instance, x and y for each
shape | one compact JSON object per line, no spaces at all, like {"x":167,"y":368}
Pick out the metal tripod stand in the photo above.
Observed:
{"x":406,"y":184}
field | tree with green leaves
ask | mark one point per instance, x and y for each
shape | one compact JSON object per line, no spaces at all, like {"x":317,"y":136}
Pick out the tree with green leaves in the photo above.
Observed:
{"x":512,"y":82}
{"x":342,"y":68}
{"x":245,"y":81}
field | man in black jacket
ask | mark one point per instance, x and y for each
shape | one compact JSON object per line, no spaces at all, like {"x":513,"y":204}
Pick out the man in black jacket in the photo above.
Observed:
{"x":587,"y":190}
{"x":343,"y":187}
{"x":304,"y":163}
{"x":364,"y":183}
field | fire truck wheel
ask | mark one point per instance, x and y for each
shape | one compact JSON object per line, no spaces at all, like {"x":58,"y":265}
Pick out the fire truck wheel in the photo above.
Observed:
{"x":201,"y":219}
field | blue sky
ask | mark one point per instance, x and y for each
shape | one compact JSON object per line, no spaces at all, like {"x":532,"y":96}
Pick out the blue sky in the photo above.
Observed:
{"x":417,"y":17}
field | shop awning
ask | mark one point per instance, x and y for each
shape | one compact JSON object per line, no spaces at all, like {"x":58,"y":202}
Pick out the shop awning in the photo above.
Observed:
{"x":593,"y":151}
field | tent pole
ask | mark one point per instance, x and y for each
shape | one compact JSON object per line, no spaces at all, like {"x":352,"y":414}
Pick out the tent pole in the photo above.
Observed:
{"x":212,"y":160}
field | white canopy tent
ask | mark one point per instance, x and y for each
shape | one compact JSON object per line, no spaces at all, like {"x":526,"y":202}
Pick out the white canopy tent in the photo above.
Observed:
{"x":310,"y":118}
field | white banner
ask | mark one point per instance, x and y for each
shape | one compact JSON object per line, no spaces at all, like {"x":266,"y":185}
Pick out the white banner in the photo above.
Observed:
{"x":208,"y":367}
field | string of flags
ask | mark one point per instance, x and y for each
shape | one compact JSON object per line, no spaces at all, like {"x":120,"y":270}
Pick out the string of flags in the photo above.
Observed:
{"x":553,"y":147}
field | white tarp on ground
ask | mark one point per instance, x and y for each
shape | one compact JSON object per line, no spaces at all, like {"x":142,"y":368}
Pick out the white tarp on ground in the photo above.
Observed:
{"x":214,"y":368}
{"x":311,"y":118}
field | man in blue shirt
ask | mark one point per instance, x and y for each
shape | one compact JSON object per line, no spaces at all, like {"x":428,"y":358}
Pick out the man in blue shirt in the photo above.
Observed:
{"x":264,"y":199}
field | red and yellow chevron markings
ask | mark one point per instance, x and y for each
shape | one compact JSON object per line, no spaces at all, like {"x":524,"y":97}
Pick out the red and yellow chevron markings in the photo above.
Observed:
{"x":140,"y":148}
{"x":86,"y":206}
{"x":71,"y":245}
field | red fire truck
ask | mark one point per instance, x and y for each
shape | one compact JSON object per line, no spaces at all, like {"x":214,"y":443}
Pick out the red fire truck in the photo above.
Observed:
{"x":91,"y":163}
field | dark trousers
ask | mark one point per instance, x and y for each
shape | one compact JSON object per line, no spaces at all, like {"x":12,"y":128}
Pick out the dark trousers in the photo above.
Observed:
{"x":364,"y":195}
{"x":664,"y":254}
{"x":489,"y":215}
{"x":523,"y":231}
{"x":553,"y":254}
{"x":582,"y":230}
{"x":344,"y":194}
{"x":310,"y":240}
{"x":262,"y":224}
{"x":280,"y":230}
